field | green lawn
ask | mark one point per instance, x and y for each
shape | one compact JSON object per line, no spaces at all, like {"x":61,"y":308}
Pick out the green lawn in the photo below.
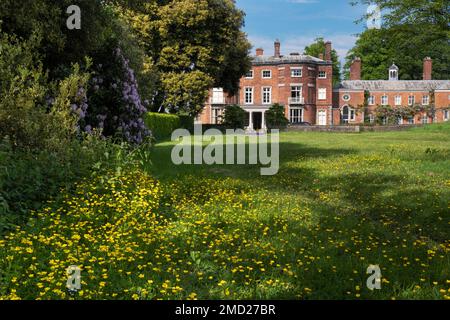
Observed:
{"x":339,"y":203}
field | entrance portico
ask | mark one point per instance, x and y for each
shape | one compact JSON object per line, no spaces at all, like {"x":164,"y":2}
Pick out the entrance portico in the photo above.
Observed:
{"x":256,"y":118}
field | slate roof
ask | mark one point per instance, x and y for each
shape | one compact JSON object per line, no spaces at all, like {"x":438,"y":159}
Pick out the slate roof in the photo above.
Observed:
{"x":399,"y":85}
{"x":300,"y":58}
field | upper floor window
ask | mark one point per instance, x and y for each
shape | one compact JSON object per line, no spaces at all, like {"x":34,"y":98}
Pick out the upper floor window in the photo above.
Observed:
{"x":296,"y":72}
{"x":426,"y":100}
{"x":346,"y":97}
{"x":384,"y":100}
{"x":322,"y":74}
{"x":248,"y":95}
{"x":249,"y":74}
{"x":398,"y":100}
{"x":266,"y":74}
{"x":322,"y":93}
{"x":267,"y":95}
{"x":218,"y":96}
{"x":371,"y":100}
{"x":411,"y":100}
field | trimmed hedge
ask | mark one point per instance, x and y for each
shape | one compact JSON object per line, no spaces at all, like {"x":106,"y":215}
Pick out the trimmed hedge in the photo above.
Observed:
{"x":161,"y":124}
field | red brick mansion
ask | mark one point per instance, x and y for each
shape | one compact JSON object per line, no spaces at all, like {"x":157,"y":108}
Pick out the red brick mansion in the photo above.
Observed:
{"x":303,"y":85}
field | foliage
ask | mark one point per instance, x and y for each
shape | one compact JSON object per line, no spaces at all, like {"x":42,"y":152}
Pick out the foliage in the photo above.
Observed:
{"x":234,"y":117}
{"x":28,"y":180}
{"x":162,"y":125}
{"x":47,"y":18}
{"x":390,"y":114}
{"x":422,"y":31}
{"x":115,"y":106}
{"x":317,"y":48}
{"x":27,"y":118}
{"x":194,"y":45}
{"x":186,"y":122}
{"x":275,"y":117}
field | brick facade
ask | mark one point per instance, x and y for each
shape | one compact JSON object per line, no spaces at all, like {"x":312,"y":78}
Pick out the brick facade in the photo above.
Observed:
{"x":303,"y":85}
{"x":394,"y":93}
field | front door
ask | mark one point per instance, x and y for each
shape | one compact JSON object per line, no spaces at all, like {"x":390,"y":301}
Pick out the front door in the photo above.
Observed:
{"x":322,"y":117}
{"x":257,"y":120}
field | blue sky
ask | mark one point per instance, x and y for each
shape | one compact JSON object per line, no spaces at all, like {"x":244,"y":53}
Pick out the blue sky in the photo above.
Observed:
{"x":298,"y":22}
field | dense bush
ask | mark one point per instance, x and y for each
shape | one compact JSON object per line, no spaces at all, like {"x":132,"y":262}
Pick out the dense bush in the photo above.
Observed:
{"x":276,"y":118}
{"x":114,"y":104}
{"x":161,"y":124}
{"x":234,"y":117}
{"x":29,"y":119}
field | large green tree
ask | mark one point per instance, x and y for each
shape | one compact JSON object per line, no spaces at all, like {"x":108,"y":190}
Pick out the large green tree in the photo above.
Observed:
{"x":411,"y":30}
{"x":317,"y":48}
{"x":194,"y":45}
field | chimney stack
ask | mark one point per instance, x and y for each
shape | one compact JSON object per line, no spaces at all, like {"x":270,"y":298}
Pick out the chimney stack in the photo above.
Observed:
{"x":328,"y":51}
{"x":355,"y":69}
{"x":277,"y":49}
{"x":427,"y":68}
{"x":259,"y":52}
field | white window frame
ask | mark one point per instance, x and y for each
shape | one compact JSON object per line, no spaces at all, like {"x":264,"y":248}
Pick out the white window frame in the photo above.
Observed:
{"x":216,"y":114}
{"x":300,"y":115}
{"x":371,"y":100}
{"x":322,"y":94}
{"x":266,"y":70}
{"x":218,"y":96}
{"x":424,"y":119}
{"x":446,"y":115}
{"x":293,"y":69}
{"x":263,"y":95}
{"x":411,"y":100}
{"x":351,"y":114}
{"x":384,"y":100}
{"x":426,"y":100}
{"x":411,"y":120}
{"x":253,"y":74}
{"x":371,"y":118}
{"x":323,"y":72}
{"x":252,"y":95}
{"x":398,"y":100}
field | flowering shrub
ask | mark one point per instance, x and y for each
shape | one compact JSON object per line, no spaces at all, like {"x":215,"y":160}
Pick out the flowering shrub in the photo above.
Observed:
{"x":113,"y":104}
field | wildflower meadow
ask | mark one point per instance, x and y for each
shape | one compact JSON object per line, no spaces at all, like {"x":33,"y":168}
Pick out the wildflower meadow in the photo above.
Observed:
{"x":339,"y":204}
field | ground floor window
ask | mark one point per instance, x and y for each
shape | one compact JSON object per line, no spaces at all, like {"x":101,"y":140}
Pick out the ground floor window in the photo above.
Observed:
{"x":371,"y":118}
{"x":424,"y":119}
{"x":296,"y":115}
{"x":217,"y":115}
{"x":446,"y":115}
{"x":411,"y":120}
{"x":399,"y":120}
{"x":348,"y":114}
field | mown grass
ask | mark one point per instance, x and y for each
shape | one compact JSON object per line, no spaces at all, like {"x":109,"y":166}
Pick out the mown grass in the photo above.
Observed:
{"x":339,"y":203}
